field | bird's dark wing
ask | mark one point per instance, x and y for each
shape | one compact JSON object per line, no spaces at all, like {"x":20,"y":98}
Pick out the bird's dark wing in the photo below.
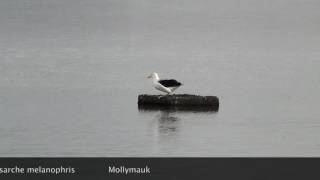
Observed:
{"x":170,"y":83}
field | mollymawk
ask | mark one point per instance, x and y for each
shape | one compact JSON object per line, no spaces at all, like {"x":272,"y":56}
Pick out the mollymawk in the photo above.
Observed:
{"x":164,"y":85}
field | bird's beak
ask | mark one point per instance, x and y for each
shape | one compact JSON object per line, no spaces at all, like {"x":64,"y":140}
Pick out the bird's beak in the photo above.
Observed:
{"x":149,"y":76}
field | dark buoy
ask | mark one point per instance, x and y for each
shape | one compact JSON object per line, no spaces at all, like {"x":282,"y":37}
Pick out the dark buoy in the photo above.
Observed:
{"x":184,"y":101}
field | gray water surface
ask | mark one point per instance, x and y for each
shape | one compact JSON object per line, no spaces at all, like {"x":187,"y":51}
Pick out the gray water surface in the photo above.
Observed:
{"x":71,"y":71}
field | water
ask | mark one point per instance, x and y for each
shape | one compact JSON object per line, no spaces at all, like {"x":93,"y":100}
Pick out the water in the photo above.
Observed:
{"x":71,"y":71}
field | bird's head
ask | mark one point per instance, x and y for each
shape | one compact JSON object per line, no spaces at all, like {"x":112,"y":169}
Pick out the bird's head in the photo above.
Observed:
{"x":153,"y":76}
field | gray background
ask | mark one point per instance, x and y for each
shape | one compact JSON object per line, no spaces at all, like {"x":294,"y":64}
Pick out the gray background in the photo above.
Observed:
{"x":71,"y":71}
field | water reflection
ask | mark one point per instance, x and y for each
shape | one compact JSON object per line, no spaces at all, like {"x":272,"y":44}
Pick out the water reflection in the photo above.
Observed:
{"x":169,"y":119}
{"x":168,"y":123}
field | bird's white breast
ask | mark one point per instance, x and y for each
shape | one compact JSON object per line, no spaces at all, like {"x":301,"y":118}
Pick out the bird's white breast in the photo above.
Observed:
{"x":162,"y":88}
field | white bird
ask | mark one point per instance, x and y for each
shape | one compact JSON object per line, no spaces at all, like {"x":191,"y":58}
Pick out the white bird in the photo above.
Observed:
{"x":164,"y":85}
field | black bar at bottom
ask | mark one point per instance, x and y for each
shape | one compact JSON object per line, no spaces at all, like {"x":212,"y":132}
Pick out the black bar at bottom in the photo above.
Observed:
{"x":160,"y":168}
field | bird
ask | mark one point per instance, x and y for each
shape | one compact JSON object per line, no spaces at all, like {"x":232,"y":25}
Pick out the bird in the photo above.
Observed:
{"x":165,"y":85}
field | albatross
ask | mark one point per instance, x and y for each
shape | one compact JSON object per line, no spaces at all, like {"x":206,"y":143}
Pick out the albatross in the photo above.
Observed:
{"x":164,"y":85}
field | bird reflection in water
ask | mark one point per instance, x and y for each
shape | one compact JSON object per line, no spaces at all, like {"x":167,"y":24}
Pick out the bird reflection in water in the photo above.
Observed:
{"x":168,"y":123}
